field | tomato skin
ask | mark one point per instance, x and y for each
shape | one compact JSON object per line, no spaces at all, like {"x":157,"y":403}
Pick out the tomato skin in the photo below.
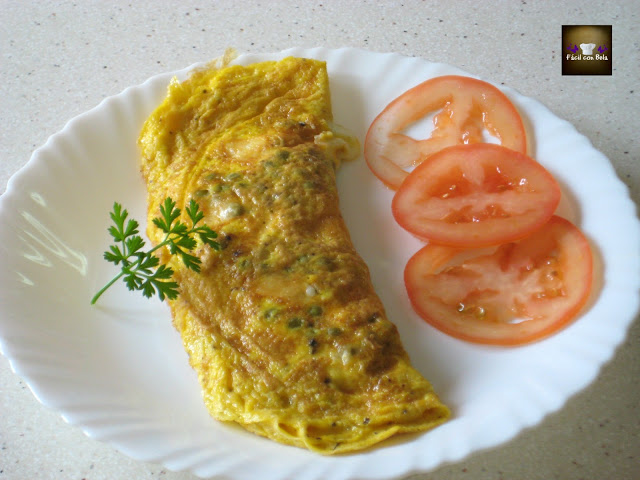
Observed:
{"x":520,"y":293}
{"x":467,"y":106}
{"x":475,"y":196}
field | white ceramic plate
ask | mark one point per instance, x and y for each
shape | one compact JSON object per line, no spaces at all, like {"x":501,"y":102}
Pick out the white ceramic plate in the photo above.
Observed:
{"x":118,"y":369}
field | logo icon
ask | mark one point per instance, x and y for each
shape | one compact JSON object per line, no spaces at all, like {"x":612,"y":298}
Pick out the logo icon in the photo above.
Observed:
{"x":587,"y":50}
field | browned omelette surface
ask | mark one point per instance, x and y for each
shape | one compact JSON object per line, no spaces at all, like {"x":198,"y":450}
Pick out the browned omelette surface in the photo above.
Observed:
{"x":282,"y":325}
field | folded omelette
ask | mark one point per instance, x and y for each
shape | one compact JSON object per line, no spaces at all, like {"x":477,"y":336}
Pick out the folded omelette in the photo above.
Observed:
{"x":282,"y":325}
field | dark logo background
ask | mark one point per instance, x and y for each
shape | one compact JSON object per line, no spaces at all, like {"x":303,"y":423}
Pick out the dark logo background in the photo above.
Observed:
{"x":595,"y":55}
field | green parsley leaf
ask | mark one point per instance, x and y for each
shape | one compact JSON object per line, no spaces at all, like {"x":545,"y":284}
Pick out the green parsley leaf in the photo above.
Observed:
{"x":142,"y":271}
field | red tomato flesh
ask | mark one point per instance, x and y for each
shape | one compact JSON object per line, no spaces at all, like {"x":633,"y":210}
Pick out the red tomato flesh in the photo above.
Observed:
{"x":475,"y":196}
{"x":465,"y":108}
{"x":521,"y":292}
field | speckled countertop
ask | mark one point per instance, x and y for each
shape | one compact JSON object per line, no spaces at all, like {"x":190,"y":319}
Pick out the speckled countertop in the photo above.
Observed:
{"x":60,"y":59}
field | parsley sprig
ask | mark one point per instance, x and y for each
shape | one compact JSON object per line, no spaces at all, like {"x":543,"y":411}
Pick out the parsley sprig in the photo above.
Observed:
{"x":141,"y":270}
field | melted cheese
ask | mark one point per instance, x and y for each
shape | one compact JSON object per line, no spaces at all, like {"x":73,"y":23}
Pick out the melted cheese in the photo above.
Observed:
{"x":282,"y":325}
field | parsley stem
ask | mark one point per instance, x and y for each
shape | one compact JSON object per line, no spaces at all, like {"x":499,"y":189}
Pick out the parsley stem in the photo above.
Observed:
{"x":103,"y":289}
{"x":129,"y":269}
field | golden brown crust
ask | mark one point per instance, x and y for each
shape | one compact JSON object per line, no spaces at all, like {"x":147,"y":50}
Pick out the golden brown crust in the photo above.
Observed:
{"x":282,"y":325}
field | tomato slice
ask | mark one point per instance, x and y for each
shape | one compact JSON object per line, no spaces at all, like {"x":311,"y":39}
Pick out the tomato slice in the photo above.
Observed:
{"x":466,"y":107}
{"x":521,"y":292}
{"x":475,"y":196}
